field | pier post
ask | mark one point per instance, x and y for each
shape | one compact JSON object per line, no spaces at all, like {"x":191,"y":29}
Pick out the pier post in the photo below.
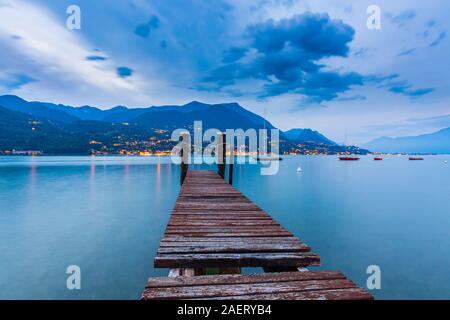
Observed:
{"x":222,"y":151}
{"x":230,"y":167}
{"x":184,"y":157}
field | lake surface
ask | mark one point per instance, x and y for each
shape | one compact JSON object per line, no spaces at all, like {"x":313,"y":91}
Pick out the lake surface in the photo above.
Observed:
{"x":107,"y":215}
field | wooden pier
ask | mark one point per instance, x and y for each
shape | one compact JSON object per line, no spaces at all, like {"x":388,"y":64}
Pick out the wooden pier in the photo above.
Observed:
{"x":213,"y":225}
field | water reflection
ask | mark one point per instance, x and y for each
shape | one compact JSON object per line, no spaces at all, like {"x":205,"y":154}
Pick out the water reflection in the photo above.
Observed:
{"x":32,"y":179}
{"x":92,"y":179}
{"x":65,"y":209}
{"x":158,"y":179}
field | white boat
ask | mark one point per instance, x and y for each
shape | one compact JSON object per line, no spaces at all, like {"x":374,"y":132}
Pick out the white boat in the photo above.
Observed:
{"x":299,"y":169}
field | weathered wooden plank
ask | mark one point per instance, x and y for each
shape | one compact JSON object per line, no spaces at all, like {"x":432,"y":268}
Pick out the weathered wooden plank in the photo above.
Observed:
{"x":233,"y":248}
{"x":219,"y":228}
{"x":297,"y":259}
{"x":232,"y":228}
{"x":209,"y":195}
{"x":203,"y":194}
{"x":207,"y":291}
{"x":211,"y":188}
{"x":236,"y":200}
{"x":211,"y":217}
{"x":192,"y":191}
{"x":231,"y":234}
{"x":274,"y":242}
{"x":217,"y":206}
{"x":221,"y":223}
{"x":236,"y":244}
{"x":175,"y":238}
{"x":219,"y":212}
{"x":215,"y":199}
{"x":226,"y":214}
{"x":220,"y":218}
{"x":160,"y":282}
{"x":335,"y":294}
{"x":223,"y":233}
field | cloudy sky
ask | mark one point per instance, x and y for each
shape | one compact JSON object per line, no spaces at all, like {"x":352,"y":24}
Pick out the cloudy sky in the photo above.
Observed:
{"x":308,"y":64}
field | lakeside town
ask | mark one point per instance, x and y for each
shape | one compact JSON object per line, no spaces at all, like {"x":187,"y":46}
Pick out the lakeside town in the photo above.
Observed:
{"x":156,"y":147}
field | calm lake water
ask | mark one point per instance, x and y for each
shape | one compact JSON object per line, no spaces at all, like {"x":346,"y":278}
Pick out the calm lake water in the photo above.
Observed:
{"x":108,"y":214}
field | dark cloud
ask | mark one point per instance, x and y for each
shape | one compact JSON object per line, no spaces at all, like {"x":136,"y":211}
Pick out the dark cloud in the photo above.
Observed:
{"x":352,"y":98}
{"x":430,"y":23}
{"x":16,"y":81}
{"x":401,"y":18}
{"x":95,"y":58}
{"x":442,"y":35}
{"x":315,"y":34}
{"x":143,"y":30}
{"x":406,"y":89}
{"x":285,"y":55}
{"x":124,"y":72}
{"x":395,"y":84}
{"x":407,"y":52}
{"x":360,"y":52}
{"x":317,"y":86}
{"x":432,"y":31}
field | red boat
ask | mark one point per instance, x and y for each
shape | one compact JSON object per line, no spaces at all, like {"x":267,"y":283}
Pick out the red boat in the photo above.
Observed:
{"x":415,"y":159}
{"x":348,"y":158}
{"x":378,"y":159}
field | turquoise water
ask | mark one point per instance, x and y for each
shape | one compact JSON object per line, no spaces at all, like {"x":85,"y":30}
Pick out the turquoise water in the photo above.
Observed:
{"x":107,"y":216}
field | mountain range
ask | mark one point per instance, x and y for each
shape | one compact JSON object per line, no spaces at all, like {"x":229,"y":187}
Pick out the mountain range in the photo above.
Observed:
{"x":220,"y":116}
{"x":58,"y":128}
{"x":437,"y":142}
{"x":302,"y":135}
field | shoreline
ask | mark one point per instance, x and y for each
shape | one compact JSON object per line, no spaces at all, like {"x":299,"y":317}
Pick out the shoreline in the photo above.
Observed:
{"x":168,"y":155}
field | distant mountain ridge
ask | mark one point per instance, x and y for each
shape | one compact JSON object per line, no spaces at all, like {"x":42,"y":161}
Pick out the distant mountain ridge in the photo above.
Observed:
{"x":37,"y":109}
{"x":308,"y":135}
{"x":437,"y":142}
{"x":220,"y":116}
{"x":97,"y":129}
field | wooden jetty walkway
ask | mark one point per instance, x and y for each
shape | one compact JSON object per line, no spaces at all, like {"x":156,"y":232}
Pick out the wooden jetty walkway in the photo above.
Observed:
{"x":213,"y":225}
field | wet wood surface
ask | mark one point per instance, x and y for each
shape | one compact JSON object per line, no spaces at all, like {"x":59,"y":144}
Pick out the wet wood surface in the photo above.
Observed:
{"x":214,"y":225}
{"x":320,"y":285}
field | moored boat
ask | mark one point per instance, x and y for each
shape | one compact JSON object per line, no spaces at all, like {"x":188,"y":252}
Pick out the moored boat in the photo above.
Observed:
{"x":377,"y":159}
{"x":348,"y":158}
{"x":269,"y":158}
{"x":415,"y":159}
